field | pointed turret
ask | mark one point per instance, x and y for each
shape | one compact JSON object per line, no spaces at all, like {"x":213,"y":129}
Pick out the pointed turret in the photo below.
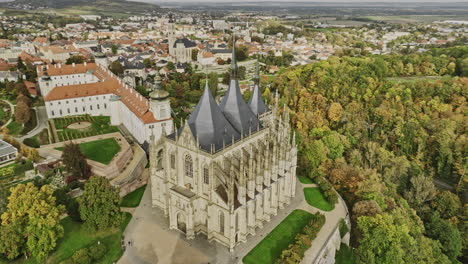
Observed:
{"x":236,"y":110}
{"x":256,"y":102}
{"x":209,"y":125}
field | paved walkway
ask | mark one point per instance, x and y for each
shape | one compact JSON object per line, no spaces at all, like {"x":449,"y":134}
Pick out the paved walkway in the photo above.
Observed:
{"x":41,"y":116}
{"x":12,"y":107}
{"x":332,"y":220}
{"x":151,"y":241}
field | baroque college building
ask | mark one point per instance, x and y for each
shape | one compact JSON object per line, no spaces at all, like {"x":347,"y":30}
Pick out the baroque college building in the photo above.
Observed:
{"x":228,"y":169}
{"x":91,"y":89}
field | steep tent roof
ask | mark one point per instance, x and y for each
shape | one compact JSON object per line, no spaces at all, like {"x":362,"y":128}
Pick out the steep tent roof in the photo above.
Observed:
{"x":209,"y":125}
{"x":236,"y":110}
{"x":256,"y":102}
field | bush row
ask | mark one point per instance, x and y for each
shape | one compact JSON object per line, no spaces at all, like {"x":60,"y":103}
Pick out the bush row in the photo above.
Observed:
{"x":325,"y":187}
{"x":295,"y":251}
{"x":88,"y":255}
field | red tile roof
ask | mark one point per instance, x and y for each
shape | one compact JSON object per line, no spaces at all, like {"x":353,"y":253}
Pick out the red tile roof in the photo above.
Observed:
{"x":109,"y":84}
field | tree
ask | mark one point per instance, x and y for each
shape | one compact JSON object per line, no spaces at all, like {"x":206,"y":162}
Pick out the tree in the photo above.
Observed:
{"x":447,"y":204}
{"x":23,"y":112}
{"x":241,"y":72}
{"x":213,"y":83}
{"x":99,"y":204}
{"x":116,"y":68}
{"x":226,"y":78}
{"x":194,"y":54}
{"x":335,"y":111}
{"x":422,"y":190}
{"x":78,"y":59}
{"x":75,"y":162}
{"x":447,"y":234}
{"x":21,"y":89}
{"x":242,"y":52}
{"x":32,"y":214}
{"x":24,"y":99}
{"x":148,"y":63}
{"x":383,"y":240}
{"x":114,"y":49}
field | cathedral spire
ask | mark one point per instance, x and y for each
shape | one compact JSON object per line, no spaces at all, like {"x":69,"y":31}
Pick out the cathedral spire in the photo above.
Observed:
{"x":233,"y":105}
{"x":233,"y":58}
{"x":256,"y":102}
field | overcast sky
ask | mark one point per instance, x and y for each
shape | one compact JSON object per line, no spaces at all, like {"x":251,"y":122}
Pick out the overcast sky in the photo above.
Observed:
{"x":311,"y":1}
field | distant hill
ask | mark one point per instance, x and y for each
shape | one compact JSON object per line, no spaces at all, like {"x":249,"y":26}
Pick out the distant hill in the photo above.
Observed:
{"x":80,"y":7}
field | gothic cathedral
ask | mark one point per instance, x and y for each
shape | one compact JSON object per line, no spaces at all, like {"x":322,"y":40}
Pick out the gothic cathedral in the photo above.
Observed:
{"x":228,"y":169}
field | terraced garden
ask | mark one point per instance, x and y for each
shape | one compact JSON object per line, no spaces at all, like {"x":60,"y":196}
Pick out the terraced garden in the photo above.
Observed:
{"x":99,"y":125}
{"x":14,"y":173}
{"x":102,"y":150}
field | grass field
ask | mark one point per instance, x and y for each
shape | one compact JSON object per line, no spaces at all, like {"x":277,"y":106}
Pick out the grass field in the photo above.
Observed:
{"x":315,"y":198}
{"x":76,"y":237}
{"x":270,"y":248}
{"x":305,"y":180}
{"x":102,"y":150}
{"x":345,"y":255}
{"x":133,"y":199}
{"x":14,"y":128}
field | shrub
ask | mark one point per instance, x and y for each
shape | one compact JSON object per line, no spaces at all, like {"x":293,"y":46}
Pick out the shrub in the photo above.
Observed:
{"x":81,"y":257}
{"x":295,"y":251}
{"x":97,"y":252}
{"x":31,"y":142}
{"x":344,"y":229}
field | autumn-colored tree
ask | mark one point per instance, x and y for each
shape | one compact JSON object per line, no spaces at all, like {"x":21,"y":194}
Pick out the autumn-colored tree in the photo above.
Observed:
{"x":33,"y":215}
{"x":21,"y":89}
{"x":335,"y":112}
{"x":116,"y":67}
{"x":22,"y":112}
{"x":75,"y":162}
{"x":99,"y":204}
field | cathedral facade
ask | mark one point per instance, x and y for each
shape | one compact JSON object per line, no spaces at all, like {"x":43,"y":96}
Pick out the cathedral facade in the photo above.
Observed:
{"x":228,"y":169}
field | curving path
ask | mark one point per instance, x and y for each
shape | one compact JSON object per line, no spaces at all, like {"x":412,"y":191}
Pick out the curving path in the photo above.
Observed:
{"x":12,"y":107}
{"x":41,"y":116}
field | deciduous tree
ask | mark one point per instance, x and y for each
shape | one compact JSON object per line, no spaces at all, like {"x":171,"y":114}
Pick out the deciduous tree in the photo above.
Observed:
{"x":99,"y":204}
{"x":33,"y":215}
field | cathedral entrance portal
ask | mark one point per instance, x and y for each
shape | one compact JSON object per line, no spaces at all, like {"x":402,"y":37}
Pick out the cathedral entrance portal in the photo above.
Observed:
{"x":181,"y":222}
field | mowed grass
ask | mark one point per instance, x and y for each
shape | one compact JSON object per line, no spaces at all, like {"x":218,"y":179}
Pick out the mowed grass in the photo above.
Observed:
{"x":315,"y":198}
{"x":133,"y":199}
{"x":270,"y":248}
{"x":305,"y":180}
{"x":76,"y":237}
{"x":102,"y":150}
{"x":14,"y":128}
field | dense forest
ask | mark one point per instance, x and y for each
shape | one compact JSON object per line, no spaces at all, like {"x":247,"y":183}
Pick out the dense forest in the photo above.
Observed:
{"x":382,"y":130}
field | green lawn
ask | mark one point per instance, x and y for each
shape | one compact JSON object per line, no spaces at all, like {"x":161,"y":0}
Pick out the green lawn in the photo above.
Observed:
{"x":305,"y":180}
{"x":345,"y":255}
{"x":102,"y":150}
{"x":270,"y":248}
{"x":14,"y":128}
{"x":133,"y":199}
{"x":315,"y":198}
{"x":77,"y":237}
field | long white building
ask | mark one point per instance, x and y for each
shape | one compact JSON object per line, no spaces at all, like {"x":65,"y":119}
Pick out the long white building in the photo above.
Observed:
{"x":91,"y":89}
